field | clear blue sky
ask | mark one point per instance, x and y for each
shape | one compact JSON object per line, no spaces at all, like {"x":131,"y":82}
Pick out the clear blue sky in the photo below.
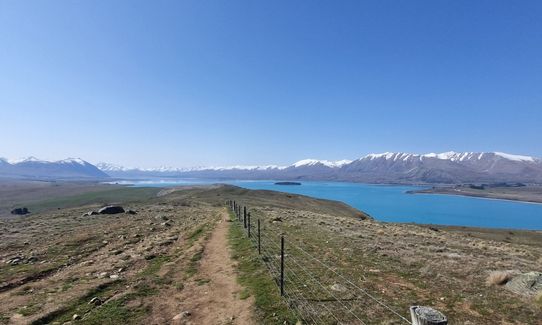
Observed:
{"x":183,"y":83}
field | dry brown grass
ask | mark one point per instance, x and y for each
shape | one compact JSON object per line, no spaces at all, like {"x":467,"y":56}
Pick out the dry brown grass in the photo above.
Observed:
{"x":538,"y":298}
{"x":499,"y":277}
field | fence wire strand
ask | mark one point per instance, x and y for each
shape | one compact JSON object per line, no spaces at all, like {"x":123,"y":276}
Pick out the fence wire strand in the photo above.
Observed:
{"x":299,"y":284}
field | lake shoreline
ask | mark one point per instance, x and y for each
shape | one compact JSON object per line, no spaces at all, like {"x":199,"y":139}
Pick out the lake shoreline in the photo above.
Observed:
{"x":487,"y":196}
{"x":375,"y":199}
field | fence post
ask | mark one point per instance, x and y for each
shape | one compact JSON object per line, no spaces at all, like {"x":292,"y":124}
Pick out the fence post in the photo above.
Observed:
{"x":245,"y":217}
{"x":248,"y":217}
{"x":421,"y":315}
{"x":282,"y":266}
{"x":259,"y":242}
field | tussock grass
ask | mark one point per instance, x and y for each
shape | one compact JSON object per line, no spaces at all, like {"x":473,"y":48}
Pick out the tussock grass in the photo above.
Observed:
{"x":499,"y":277}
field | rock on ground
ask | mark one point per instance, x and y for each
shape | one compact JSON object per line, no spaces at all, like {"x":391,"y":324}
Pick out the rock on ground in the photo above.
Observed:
{"x":527,"y":284}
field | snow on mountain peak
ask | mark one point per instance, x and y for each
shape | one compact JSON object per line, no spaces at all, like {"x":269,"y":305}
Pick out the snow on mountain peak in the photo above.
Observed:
{"x":112,"y":167}
{"x":78,"y":161}
{"x":26,"y":159}
{"x":449,"y":155}
{"x":72,"y":161}
{"x":327,"y":163}
{"x":515,"y":157}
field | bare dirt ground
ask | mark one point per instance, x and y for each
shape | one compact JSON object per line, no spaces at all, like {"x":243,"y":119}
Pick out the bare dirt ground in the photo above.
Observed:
{"x":214,"y":299}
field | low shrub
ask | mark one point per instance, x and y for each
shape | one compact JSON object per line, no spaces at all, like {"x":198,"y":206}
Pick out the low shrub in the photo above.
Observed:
{"x":499,"y":277}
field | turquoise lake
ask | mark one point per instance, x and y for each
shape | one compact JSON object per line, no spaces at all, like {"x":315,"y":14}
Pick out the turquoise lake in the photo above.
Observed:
{"x":393,"y":204}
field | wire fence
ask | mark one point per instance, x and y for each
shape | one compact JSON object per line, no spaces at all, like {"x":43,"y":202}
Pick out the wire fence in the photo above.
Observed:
{"x":317,"y":292}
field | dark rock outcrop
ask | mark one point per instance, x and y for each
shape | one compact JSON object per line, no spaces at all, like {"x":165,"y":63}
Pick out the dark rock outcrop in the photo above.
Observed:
{"x":20,"y":211}
{"x":111,"y":209}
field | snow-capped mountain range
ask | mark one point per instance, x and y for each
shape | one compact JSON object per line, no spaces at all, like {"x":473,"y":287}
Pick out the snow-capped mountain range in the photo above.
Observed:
{"x":389,"y":167}
{"x":33,"y":168}
{"x":406,"y":168}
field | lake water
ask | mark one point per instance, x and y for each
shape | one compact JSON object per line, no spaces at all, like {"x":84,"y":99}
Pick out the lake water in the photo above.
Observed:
{"x":392,"y":203}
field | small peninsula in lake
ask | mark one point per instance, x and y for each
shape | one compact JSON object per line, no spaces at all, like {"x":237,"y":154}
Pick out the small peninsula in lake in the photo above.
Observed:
{"x":500,"y":191}
{"x":287,"y":183}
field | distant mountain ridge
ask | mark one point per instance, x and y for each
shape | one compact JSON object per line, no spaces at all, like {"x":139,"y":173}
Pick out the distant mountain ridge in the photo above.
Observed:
{"x":33,"y":168}
{"x":405,"y":168}
{"x":389,"y":167}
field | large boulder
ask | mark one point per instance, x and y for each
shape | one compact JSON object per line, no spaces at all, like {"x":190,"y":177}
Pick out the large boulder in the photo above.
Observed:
{"x":527,"y":284}
{"x":20,"y":211}
{"x":111,"y":209}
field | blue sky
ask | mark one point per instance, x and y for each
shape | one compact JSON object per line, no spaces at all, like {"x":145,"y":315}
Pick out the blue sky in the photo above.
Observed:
{"x":184,"y":83}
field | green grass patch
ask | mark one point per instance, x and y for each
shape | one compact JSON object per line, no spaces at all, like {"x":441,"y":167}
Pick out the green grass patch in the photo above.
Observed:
{"x":154,"y":265}
{"x":143,"y":289}
{"x":196,"y":234}
{"x":255,"y":278}
{"x":244,"y":294}
{"x":179,"y":286}
{"x":29,"y":310}
{"x":111,"y":312}
{"x":4,"y":319}
{"x":114,"y":312}
{"x":194,"y":262}
{"x":80,"y":306}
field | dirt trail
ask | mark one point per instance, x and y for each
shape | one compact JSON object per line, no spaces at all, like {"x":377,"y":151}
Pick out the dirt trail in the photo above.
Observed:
{"x":214,"y":299}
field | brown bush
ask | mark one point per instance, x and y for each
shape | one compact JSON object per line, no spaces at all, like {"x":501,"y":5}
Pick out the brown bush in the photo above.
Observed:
{"x":499,"y":277}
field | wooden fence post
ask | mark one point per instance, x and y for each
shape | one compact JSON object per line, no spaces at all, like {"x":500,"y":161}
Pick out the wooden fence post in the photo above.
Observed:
{"x":259,"y":241}
{"x":427,"y":316}
{"x":248,"y":217}
{"x":282,"y":266}
{"x":245,"y":217}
